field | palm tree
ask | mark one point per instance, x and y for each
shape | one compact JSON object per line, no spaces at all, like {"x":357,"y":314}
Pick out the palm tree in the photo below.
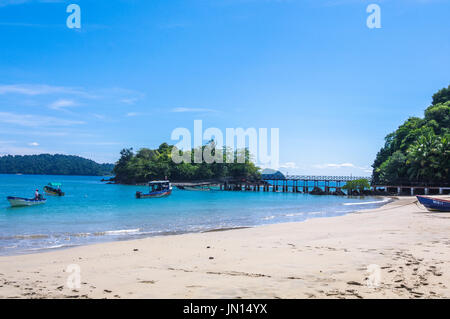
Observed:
{"x":424,"y":158}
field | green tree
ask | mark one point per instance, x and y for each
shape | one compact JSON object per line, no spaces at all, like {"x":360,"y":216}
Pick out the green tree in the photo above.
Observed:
{"x":358,"y":184}
{"x":150,"y":164}
{"x":442,"y":96}
{"x":417,"y":151}
{"x":428,"y":159}
{"x":393,"y":170}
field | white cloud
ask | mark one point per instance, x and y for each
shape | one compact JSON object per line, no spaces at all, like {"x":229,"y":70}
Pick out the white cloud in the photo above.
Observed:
{"x":30,"y":120}
{"x":12,"y":149}
{"x":129,"y":101}
{"x":33,"y":144}
{"x":131,"y":114}
{"x":39,"y":89}
{"x":117,"y":94}
{"x":289,"y":165}
{"x":62,"y":103}
{"x":4,"y":3}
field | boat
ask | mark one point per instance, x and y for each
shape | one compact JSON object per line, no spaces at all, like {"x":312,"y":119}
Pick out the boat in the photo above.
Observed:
{"x":53,"y":189}
{"x":158,"y":189}
{"x":23,"y":202}
{"x":434,"y":204}
{"x":198,"y":188}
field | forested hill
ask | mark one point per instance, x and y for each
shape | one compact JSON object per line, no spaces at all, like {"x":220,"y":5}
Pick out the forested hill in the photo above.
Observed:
{"x":418,"y":152}
{"x":153,"y":164}
{"x":47,"y":164}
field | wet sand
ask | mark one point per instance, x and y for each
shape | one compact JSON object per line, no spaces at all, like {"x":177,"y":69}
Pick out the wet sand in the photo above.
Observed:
{"x":396,"y":251}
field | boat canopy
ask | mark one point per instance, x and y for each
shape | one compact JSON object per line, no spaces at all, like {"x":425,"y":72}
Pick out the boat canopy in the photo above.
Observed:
{"x":54,"y":184}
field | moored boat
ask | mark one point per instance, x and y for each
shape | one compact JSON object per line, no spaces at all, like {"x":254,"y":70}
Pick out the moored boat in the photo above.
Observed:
{"x":53,"y":189}
{"x":157,"y":189}
{"x":198,"y":188}
{"x":434,"y":204}
{"x":23,"y":202}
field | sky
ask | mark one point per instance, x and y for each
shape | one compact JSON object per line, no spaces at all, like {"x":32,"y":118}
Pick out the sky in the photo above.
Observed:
{"x":136,"y":70}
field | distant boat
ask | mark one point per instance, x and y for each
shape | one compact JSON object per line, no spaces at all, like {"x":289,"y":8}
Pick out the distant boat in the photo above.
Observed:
{"x":23,"y":202}
{"x":435,"y":204}
{"x":198,"y":188}
{"x":157,"y":189}
{"x":53,"y":189}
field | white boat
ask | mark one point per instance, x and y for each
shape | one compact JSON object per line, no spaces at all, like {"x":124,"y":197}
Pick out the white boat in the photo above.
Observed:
{"x":23,"y":202}
{"x":197,"y":188}
{"x":158,"y":189}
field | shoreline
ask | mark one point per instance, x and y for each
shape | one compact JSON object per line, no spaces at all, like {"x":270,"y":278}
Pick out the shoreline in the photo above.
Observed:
{"x":315,"y":258}
{"x":384,"y":201}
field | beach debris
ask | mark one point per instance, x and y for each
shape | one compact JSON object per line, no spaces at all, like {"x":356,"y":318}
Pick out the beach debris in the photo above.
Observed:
{"x":237,"y":273}
{"x":354,"y":283}
{"x":107,"y":291}
{"x":211,"y":258}
{"x":135,"y":249}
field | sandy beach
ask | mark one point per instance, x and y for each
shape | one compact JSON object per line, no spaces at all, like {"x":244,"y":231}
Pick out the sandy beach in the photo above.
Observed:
{"x":396,"y":251}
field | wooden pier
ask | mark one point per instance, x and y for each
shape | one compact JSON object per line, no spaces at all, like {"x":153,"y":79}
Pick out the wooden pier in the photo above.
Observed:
{"x":310,"y":184}
{"x":293,"y":184}
{"x":413,"y":190}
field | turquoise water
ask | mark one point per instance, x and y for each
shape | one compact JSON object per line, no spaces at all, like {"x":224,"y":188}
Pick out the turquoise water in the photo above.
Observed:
{"x":94,"y":212}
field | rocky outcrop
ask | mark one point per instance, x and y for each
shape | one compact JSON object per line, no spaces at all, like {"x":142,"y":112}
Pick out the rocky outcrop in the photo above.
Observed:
{"x":317,"y":191}
{"x":338,"y":193}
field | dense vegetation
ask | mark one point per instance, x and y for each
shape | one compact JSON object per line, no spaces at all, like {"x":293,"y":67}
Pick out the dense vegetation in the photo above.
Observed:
{"x":157,"y":164}
{"x":418,"y":152}
{"x":47,"y":164}
{"x":359,"y":185}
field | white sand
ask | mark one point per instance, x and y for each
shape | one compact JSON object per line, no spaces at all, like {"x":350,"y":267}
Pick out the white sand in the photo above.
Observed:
{"x":319,"y":258}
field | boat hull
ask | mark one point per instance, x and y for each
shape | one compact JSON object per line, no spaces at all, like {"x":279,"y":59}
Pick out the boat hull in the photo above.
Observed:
{"x":434,"y":204}
{"x":24,"y":202}
{"x":197,"y":189}
{"x":140,"y":195}
{"x":53,"y":192}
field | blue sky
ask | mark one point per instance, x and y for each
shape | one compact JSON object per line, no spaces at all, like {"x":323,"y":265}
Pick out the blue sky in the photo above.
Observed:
{"x":136,"y":70}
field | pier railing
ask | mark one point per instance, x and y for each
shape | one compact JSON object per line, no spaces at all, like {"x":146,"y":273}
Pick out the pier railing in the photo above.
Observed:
{"x":315,"y":178}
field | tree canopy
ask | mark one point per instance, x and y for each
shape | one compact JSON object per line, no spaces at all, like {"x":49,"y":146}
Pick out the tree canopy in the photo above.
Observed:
{"x":418,"y":152}
{"x":46,"y":164}
{"x":358,"y":184}
{"x":147,"y":164}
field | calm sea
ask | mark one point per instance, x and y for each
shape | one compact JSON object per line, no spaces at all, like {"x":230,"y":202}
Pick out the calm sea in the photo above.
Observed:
{"x":93,"y":212}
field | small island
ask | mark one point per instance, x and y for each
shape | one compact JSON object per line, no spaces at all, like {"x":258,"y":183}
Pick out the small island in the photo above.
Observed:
{"x":157,"y":164}
{"x":58,"y":164}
